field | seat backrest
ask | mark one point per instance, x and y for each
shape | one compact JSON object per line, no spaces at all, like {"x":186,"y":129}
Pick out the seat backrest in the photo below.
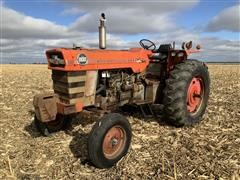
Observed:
{"x":164,"y":48}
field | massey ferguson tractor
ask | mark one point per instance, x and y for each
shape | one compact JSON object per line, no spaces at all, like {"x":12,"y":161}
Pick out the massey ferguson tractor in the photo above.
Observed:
{"x":100,"y":81}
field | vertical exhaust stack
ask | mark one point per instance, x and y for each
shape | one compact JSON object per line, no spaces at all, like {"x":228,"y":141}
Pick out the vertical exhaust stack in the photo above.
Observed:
{"x":102,"y":32}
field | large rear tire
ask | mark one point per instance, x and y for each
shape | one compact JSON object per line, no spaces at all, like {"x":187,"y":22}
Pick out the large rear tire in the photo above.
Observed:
{"x":109,"y":140}
{"x":186,"y":93}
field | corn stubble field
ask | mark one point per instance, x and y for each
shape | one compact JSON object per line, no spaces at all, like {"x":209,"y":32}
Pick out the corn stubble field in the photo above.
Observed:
{"x":209,"y":150}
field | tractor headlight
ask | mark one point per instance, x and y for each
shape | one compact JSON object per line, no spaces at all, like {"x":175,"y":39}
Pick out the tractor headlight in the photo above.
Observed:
{"x":82,"y":59}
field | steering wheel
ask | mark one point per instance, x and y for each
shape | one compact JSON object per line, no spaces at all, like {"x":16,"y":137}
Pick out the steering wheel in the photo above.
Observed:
{"x":147,"y":44}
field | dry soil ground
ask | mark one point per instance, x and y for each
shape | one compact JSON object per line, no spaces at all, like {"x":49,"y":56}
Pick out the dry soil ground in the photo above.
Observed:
{"x":209,"y":150}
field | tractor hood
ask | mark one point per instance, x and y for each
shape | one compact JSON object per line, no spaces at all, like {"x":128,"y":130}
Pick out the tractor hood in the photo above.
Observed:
{"x":93,"y":59}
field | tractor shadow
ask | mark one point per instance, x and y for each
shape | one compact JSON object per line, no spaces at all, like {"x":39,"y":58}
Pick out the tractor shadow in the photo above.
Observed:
{"x":84,"y":120}
{"x":81,"y":119}
{"x":78,"y":144}
{"x":78,"y":147}
{"x":75,"y":120}
{"x":31,"y":129}
{"x":135,"y":112}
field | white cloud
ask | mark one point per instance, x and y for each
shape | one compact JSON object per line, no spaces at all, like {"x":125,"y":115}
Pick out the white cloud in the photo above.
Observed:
{"x":151,"y":6}
{"x":128,"y":17}
{"x":178,"y":35}
{"x":228,"y":19}
{"x":26,"y":38}
{"x":33,"y":50}
{"x":217,"y":50}
{"x":127,"y":23}
{"x":15,"y":25}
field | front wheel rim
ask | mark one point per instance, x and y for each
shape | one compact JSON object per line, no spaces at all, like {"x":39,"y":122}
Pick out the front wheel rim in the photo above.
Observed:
{"x":114,"y":142}
{"x":195,"y":95}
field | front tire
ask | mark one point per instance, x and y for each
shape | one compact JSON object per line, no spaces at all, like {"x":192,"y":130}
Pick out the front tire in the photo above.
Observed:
{"x":186,"y":93}
{"x":109,"y":140}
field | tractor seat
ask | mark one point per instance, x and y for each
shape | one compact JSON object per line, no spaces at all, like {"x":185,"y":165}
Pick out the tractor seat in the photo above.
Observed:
{"x":163,"y":48}
{"x":162,"y":52}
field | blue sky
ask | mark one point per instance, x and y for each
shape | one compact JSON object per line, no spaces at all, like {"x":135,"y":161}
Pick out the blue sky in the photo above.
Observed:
{"x":30,"y":27}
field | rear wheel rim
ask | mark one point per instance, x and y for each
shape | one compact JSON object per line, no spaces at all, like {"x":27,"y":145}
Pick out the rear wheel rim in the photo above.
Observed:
{"x":195,"y":95}
{"x":114,"y":142}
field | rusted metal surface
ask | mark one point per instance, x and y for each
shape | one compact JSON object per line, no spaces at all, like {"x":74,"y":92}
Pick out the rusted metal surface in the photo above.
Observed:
{"x":114,"y":142}
{"x":70,"y":86}
{"x":45,"y":107}
{"x":66,"y":109}
{"x":91,"y":82}
{"x":67,"y":90}
{"x":68,"y":77}
{"x":75,"y":86}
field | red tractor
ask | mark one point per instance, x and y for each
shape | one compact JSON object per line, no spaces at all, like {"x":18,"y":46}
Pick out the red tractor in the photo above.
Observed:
{"x":155,"y":79}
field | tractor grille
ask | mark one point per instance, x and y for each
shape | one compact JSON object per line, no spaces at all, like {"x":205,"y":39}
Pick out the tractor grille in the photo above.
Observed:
{"x":70,"y":86}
